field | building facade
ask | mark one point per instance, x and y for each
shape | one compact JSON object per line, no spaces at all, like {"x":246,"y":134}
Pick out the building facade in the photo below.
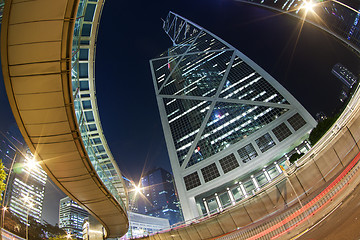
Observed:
{"x":223,"y":116}
{"x":71,"y":217}
{"x":344,"y":75}
{"x":25,"y":189}
{"x":160,"y":195}
{"x":143,"y":225}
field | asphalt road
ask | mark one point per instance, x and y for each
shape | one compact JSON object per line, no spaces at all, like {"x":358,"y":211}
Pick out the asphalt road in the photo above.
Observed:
{"x":341,"y":224}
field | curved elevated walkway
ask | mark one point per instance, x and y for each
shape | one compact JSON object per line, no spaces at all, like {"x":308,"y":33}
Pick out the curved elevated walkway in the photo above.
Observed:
{"x":36,"y":53}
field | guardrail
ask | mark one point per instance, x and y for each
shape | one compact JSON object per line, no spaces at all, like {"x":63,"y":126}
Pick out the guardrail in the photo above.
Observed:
{"x":298,"y":215}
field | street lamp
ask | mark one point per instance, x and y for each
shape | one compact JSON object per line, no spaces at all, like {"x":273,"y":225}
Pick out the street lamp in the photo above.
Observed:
{"x":4,"y":209}
{"x":27,"y":199}
{"x":68,"y":235}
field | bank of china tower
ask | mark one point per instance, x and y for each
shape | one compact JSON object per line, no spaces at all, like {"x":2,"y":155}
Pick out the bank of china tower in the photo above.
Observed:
{"x":224,"y":118}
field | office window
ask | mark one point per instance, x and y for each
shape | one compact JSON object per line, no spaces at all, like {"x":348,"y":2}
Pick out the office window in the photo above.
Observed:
{"x":247,"y":153}
{"x":296,"y":121}
{"x":281,"y":132}
{"x":265,"y":142}
{"x":192,"y":180}
{"x":210,"y":172}
{"x":228,"y":163}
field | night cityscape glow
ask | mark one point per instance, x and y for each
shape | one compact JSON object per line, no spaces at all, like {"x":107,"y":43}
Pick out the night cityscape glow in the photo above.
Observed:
{"x":204,"y":144}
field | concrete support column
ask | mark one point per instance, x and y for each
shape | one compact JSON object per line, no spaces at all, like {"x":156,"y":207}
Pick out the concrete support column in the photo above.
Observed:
{"x":243,"y":189}
{"x":257,"y":187}
{"x":206,"y":206}
{"x":218,"y":202}
{"x":232,"y":199}
{"x":267,"y":175}
{"x":277,"y":167}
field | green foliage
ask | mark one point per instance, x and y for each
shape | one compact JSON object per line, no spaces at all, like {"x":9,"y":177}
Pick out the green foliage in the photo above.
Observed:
{"x":58,"y":238}
{"x":2,"y":178}
{"x":295,"y":157}
{"x":321,"y":129}
{"x":37,"y":231}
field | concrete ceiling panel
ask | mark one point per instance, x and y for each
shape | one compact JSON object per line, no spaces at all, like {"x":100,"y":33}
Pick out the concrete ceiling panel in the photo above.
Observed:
{"x":80,"y":186}
{"x":56,"y":147}
{"x":35,"y":68}
{"x":77,"y":168}
{"x":106,"y":206}
{"x":112,"y":219}
{"x":36,"y":10}
{"x":37,"y":84}
{"x":65,"y":173}
{"x":53,"y":115}
{"x":34,"y":52}
{"x":63,"y":158}
{"x":90,"y":196}
{"x":40,"y":101}
{"x":35,"y":130}
{"x":52,"y":139}
{"x":32,"y":32}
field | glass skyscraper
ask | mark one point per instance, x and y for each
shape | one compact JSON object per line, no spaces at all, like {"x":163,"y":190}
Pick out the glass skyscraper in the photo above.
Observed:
{"x":223,"y":116}
{"x":71,"y":217}
{"x":25,"y":190}
{"x":161,"y":199}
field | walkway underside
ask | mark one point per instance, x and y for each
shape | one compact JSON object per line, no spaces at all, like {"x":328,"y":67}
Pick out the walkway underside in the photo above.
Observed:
{"x":36,"y":41}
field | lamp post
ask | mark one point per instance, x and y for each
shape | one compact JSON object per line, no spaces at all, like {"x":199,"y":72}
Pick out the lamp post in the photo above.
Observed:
{"x":6,"y":186}
{"x":31,"y":205}
{"x":4,"y":209}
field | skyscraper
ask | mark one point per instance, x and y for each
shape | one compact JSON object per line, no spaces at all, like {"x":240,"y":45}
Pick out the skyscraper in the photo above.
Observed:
{"x":71,"y":217}
{"x":161,"y":199}
{"x":26,"y":188}
{"x":223,"y":116}
{"x":345,"y":76}
{"x":26,"y":181}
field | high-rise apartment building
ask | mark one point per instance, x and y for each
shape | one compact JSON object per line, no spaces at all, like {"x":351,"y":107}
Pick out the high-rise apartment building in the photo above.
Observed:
{"x":223,"y":117}
{"x":71,"y":217}
{"x":26,"y":184}
{"x":160,"y":198}
{"x":345,"y":76}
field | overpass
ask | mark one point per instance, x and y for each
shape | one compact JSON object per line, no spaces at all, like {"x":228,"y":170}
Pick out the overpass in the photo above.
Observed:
{"x":48,"y":56}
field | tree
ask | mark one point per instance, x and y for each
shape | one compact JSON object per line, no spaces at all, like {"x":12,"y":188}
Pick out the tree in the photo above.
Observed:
{"x":2,"y":178}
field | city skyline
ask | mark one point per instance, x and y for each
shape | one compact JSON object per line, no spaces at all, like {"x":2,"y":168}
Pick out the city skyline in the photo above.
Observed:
{"x":129,"y":153}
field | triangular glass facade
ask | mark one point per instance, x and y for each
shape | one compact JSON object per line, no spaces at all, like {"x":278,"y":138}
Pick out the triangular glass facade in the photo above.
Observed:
{"x":228,"y":124}
{"x":214,"y":97}
{"x":185,"y":118}
{"x":198,"y":74}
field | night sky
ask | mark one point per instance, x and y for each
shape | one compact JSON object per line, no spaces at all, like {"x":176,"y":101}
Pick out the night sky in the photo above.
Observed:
{"x":131,"y":34}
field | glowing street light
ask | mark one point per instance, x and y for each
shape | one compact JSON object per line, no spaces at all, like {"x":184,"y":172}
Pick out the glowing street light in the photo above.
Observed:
{"x":309,"y":6}
{"x":137,"y":189}
{"x":4,"y":209}
{"x":68,"y":235}
{"x":31,"y":164}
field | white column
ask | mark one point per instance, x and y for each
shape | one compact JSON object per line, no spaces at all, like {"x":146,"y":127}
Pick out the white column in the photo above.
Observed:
{"x":232,"y":199}
{"x":277,"y":167}
{"x":267,"y":175}
{"x":218,"y":202}
{"x":243,"y":189}
{"x":206,"y":206}
{"x":257,"y":187}
{"x":307,"y":145}
{"x":297,"y":150}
